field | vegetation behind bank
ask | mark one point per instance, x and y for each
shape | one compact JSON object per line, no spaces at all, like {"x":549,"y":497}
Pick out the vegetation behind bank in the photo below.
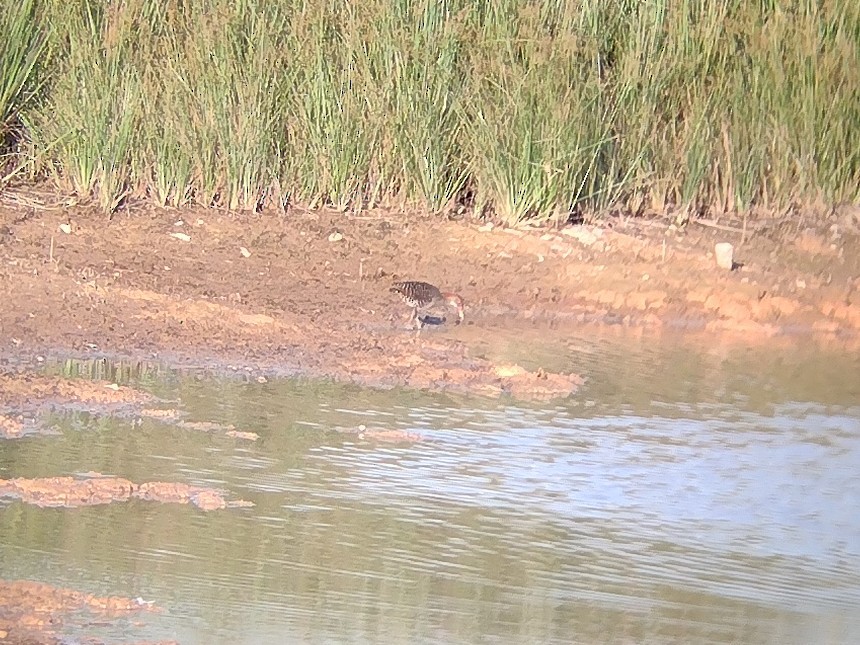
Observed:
{"x":534,"y":109}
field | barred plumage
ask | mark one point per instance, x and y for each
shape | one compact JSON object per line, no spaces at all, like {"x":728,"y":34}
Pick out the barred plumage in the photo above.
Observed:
{"x":423,"y":296}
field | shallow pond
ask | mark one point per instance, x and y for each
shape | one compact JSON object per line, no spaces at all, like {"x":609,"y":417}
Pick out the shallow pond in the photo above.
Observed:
{"x":688,"y":493}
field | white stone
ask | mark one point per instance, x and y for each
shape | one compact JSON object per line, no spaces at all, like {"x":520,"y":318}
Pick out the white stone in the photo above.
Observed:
{"x":724,"y":252}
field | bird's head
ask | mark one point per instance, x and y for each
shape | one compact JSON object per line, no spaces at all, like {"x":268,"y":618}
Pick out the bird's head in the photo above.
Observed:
{"x":453,"y":300}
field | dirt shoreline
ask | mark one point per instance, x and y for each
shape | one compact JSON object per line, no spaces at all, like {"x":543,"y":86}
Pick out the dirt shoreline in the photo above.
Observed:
{"x":307,"y":292}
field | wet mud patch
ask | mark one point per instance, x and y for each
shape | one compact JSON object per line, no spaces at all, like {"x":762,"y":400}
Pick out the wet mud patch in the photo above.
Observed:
{"x":539,"y":385}
{"x":97,"y":489}
{"x":174,"y":419}
{"x":31,"y":391}
{"x":428,"y":363}
{"x":35,"y":613}
{"x":28,"y":399}
{"x":380,"y":435}
{"x":16,"y":426}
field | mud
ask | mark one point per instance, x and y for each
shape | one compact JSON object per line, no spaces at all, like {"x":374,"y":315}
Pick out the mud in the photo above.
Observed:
{"x":380,"y":435}
{"x":12,"y":427}
{"x":27,"y":391}
{"x":174,"y":418}
{"x":271,"y":290}
{"x":33,"y":613}
{"x":95,"y":489}
{"x":25,"y":397}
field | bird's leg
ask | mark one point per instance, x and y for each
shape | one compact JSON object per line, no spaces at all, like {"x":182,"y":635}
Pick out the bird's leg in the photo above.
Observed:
{"x":416,"y":324}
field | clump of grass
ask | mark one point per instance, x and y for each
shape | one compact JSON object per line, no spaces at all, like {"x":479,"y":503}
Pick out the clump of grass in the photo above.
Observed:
{"x":22,"y":40}
{"x":220,"y":101}
{"x":334,"y":131}
{"x":417,"y":63}
{"x":92,"y":115}
{"x":724,"y":116}
{"x":539,"y":125}
{"x":537,"y":141}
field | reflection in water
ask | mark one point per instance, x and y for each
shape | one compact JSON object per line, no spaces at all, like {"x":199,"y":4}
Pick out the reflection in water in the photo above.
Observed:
{"x":680,"y":497}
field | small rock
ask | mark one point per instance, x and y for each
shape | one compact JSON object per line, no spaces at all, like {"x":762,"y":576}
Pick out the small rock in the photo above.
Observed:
{"x":245,"y":252}
{"x":724,"y":252}
{"x":800,"y":284}
{"x":65,"y":228}
{"x":181,"y":237}
{"x":238,"y":434}
{"x":509,"y":370}
{"x":337,"y":236}
{"x":584,"y":237}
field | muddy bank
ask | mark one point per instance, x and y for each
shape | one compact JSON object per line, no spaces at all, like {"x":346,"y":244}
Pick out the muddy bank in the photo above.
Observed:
{"x":26,"y":396}
{"x":95,"y":489}
{"x":174,"y":419}
{"x":26,"y":391}
{"x":308,"y":291}
{"x":34,"y":613}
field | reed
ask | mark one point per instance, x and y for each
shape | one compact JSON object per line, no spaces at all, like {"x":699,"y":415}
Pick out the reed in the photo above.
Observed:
{"x":539,"y":108}
{"x":22,"y":41}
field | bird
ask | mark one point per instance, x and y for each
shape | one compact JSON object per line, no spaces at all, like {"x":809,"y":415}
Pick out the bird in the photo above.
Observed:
{"x":423,"y":297}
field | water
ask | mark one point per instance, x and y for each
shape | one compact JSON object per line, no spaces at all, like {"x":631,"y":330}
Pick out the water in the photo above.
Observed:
{"x":687,"y":494}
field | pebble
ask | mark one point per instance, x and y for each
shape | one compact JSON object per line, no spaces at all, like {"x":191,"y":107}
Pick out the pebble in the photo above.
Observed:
{"x":724,"y":254}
